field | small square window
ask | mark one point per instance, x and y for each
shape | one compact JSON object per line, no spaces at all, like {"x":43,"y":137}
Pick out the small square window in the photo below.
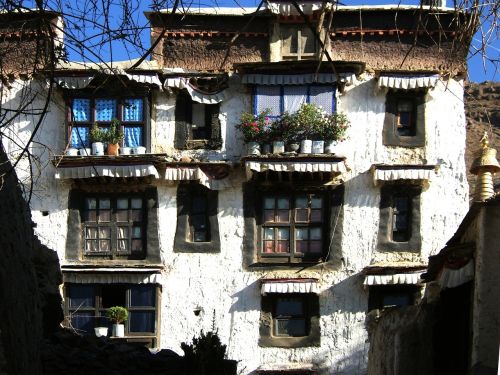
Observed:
{"x":382,"y":296}
{"x":294,"y":320}
{"x":297,"y":42}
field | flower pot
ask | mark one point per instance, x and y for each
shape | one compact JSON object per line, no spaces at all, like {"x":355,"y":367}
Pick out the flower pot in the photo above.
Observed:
{"x":139,"y":150}
{"x":101,"y":331}
{"x":118,"y":330}
{"x":125,"y":150}
{"x":293,"y":147}
{"x":72,"y":152}
{"x":85,"y":151}
{"x":266,"y":148}
{"x":97,"y":148}
{"x":318,"y":147}
{"x":278,"y":147}
{"x":113,"y":149}
{"x":253,"y":148}
{"x":330,"y":147}
{"x":306,"y":146}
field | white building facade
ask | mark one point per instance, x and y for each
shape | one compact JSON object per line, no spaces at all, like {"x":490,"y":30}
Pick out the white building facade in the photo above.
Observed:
{"x":193,"y":234}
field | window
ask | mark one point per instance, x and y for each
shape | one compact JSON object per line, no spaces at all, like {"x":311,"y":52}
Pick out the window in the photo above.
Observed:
{"x":399,"y":227}
{"x":298,"y":42}
{"x":197,"y":124}
{"x":289,"y":224}
{"x":294,"y":320}
{"x":84,"y":112}
{"x":114,"y":225}
{"x":382,"y":296}
{"x":292,"y":225}
{"x":197,"y":224}
{"x":279,"y":99}
{"x":404,"y":123}
{"x":86,"y":305}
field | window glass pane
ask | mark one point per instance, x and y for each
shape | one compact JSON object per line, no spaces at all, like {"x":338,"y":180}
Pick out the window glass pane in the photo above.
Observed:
{"x":283,"y":233}
{"x":283,"y":216}
{"x":282,"y":247}
{"x":91,"y":203}
{"x":136,"y":203}
{"x":315,"y":233}
{"x":268,"y":216}
{"x":113,"y":295}
{"x":315,"y":216}
{"x":136,"y":215}
{"x":81,"y":110}
{"x":122,"y":245}
{"x":301,"y":234}
{"x":294,"y":97}
{"x":200,"y":236}
{"x":91,"y":216}
{"x":322,"y":96}
{"x":315,"y":247}
{"x":301,"y":201}
{"x":269,"y":203}
{"x":268,"y":97}
{"x":91,"y":245}
{"x":137,"y":232}
{"x":136,"y":245}
{"x":302,"y":215}
{"x":269,"y":246}
{"x":90,"y":232}
{"x":80,"y":137}
{"x":104,"y":216}
{"x":132,"y":136}
{"x":104,"y":203}
{"x":283,"y":203}
{"x":198,"y":115}
{"x":290,"y":327}
{"x":316,"y":201}
{"x":122,"y":203}
{"x":104,"y":245}
{"x":307,"y":40}
{"x":105,"y":109}
{"x":132,"y":110}
{"x":122,"y":232}
{"x":83,"y":322}
{"x":142,"y":321}
{"x":301,"y":246}
{"x":142,"y":295}
{"x":269,"y":233}
{"x":122,"y":215}
{"x":289,"y":306}
{"x":81,"y":295}
{"x":396,"y":299}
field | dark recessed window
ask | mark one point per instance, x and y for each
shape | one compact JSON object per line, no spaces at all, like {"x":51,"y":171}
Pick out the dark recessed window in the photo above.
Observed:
{"x":382,"y":296}
{"x":290,"y":317}
{"x":114,"y":225}
{"x":86,"y":305}
{"x":401,"y":218}
{"x":298,"y":42}
{"x":84,"y":112}
{"x":198,"y":218}
{"x":197,"y":124}
{"x":406,"y":119}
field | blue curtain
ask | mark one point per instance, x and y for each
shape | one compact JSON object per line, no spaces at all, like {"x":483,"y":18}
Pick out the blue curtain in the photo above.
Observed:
{"x":142,"y":296}
{"x":81,"y":110}
{"x":133,"y":136}
{"x":80,"y":137}
{"x":105,"y":109}
{"x":323,"y":96}
{"x":132,"y":110}
{"x":268,"y":97}
{"x":142,"y":321}
{"x":81,"y":295}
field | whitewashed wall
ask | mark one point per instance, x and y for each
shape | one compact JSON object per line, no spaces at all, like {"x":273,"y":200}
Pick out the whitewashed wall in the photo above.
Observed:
{"x":217,"y":283}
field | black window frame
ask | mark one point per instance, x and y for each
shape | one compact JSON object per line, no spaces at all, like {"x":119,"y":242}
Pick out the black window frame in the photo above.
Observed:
{"x":120,"y":100}
{"x":253,"y":193}
{"x":99,"y":310}
{"x":183,"y":241}
{"x":268,"y":338}
{"x":184,"y":139}
{"x":388,"y":193}
{"x":391,"y":134}
{"x":75,"y":243}
{"x":377,"y":293}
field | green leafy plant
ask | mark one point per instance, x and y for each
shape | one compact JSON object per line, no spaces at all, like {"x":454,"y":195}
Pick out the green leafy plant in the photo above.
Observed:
{"x":117,"y":314}
{"x":316,"y":124}
{"x":97,"y":134}
{"x":114,"y":134}
{"x":255,"y":128}
{"x":205,"y":355}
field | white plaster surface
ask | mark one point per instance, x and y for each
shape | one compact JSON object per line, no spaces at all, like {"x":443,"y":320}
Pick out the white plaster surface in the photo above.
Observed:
{"x":227,"y":294}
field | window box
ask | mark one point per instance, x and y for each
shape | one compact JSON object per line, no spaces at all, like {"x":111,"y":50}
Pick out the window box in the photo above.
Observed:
{"x":404,"y":123}
{"x":86,"y":304}
{"x":197,"y":224}
{"x":399,"y":227}
{"x":197,"y":125}
{"x":289,"y":320}
{"x":132,"y":112}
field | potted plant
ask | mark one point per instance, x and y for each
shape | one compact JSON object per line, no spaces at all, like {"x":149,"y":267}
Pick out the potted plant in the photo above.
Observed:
{"x":118,"y":315}
{"x":308,"y":119}
{"x":334,"y":130}
{"x":290,"y":131}
{"x":253,"y":127}
{"x":97,"y":137}
{"x":114,"y":136}
{"x":101,"y":331}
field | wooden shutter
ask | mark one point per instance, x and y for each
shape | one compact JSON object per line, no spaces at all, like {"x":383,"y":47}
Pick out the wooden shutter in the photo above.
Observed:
{"x":182,"y":119}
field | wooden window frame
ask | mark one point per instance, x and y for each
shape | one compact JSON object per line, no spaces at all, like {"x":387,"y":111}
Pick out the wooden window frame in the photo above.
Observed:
{"x":299,"y":55}
{"x":268,"y":338}
{"x":150,"y":338}
{"x":120,"y":100}
{"x":184,"y":127}
{"x":113,"y":224}
{"x":391,"y":135}
{"x":183,"y":242}
{"x":386,"y":240}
